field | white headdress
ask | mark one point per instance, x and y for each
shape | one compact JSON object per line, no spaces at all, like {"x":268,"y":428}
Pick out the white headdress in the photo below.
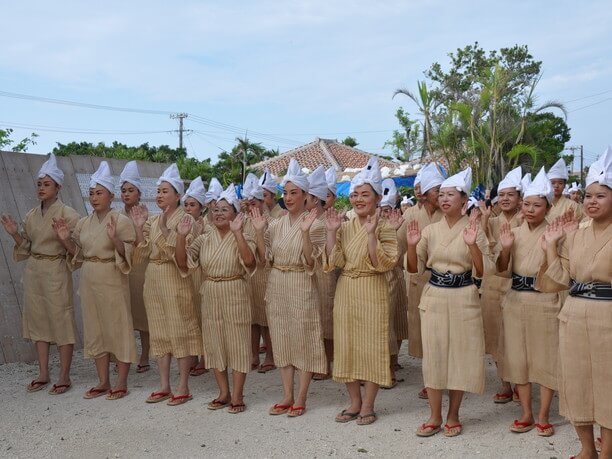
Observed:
{"x":268,"y":181}
{"x":511,"y":180}
{"x":389,"y":194}
{"x":296,"y":176}
{"x":331,"y":178}
{"x":214,"y":190}
{"x":251,"y":188}
{"x":370,"y":175}
{"x":558,"y":171}
{"x":131,"y":175}
{"x":417,"y":179}
{"x":196,"y":191}
{"x":431,"y":177}
{"x":540,"y":186}
{"x":575,"y":187}
{"x":172,"y":176}
{"x":103,"y":177}
{"x":601,"y":170}
{"x":525,"y":181}
{"x":317,"y":185}
{"x":462,"y":181}
{"x":229,"y":195}
{"x":50,"y":168}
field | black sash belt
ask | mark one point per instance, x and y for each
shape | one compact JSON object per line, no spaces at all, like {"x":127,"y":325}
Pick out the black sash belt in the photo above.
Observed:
{"x":451,"y":280}
{"x":523,"y":283}
{"x":592,"y":290}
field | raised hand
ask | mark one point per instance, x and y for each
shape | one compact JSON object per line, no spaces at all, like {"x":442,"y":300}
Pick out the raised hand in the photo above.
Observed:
{"x":554,"y":232}
{"x":470,"y":232}
{"x":236,"y":223}
{"x":139,"y":215}
{"x":184,"y":226}
{"x":10,"y":225}
{"x":371,"y":222}
{"x":333,"y":219}
{"x":111,"y":227}
{"x":506,"y":236}
{"x":484,"y":210}
{"x":61,"y":229}
{"x":308,"y":220}
{"x":259,"y":222}
{"x":395,"y":219}
{"x":475,"y":214}
{"x":413,"y":233}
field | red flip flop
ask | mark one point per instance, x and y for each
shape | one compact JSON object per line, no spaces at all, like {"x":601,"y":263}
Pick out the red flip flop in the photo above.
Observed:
{"x":157,"y":397}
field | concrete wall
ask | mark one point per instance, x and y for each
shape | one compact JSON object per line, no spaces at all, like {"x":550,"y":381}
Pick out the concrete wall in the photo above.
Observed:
{"x":18,"y":178}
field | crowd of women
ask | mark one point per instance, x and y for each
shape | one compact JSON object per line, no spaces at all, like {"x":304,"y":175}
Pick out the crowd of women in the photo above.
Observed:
{"x":524,"y":276}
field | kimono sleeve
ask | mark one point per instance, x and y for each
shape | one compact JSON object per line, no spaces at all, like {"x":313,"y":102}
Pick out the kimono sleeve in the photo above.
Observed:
{"x":317,"y":240}
{"x":193,"y":255}
{"x":142,"y":250}
{"x":556,"y":277}
{"x":422,"y":250}
{"x":127,"y":235}
{"x":483,"y":244}
{"x":386,"y":249}
{"x":249,"y":237}
{"x":75,"y":261}
{"x":22,"y":251}
{"x":336,"y":258}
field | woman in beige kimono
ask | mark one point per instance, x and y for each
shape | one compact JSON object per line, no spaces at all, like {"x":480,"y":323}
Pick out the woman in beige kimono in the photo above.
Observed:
{"x":292,"y":245}
{"x":168,"y":296}
{"x":270,"y":185}
{"x":585,"y":329}
{"x":364,"y":248}
{"x":131,"y":186}
{"x":48,"y":313}
{"x":101,"y":245}
{"x":224,"y":256}
{"x":531,"y":330}
{"x":494,"y":287}
{"x":451,"y":318}
{"x":558,"y":177}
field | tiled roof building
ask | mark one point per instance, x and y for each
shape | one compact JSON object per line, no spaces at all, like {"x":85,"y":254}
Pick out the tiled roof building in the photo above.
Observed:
{"x":322,"y":151}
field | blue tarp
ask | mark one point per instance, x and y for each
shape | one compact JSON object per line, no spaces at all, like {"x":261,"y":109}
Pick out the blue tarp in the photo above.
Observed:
{"x":343,"y":187}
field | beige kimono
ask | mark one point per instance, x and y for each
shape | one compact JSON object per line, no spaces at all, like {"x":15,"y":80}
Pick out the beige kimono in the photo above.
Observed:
{"x":257,"y":283}
{"x":417,"y":281}
{"x":562,"y":206}
{"x":292,"y":301}
{"x":326,"y":286}
{"x":451,"y":318}
{"x":104,"y":287}
{"x":277,"y":212}
{"x":361,"y":304}
{"x":531,"y":328}
{"x":585,"y":329}
{"x":48,"y":313}
{"x":398,"y":296}
{"x":173,"y":317}
{"x":226,"y":313}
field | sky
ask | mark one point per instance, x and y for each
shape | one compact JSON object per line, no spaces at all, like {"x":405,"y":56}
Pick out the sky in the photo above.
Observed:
{"x":281,"y":73}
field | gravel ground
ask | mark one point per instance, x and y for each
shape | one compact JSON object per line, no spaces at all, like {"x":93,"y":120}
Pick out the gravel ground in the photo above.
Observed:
{"x":41,"y":425}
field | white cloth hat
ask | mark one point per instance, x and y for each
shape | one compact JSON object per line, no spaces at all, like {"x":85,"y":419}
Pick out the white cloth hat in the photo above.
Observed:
{"x":566,"y":190}
{"x":251,"y":188}
{"x":558,"y":171}
{"x":601,"y":170}
{"x":214,"y":190}
{"x":370,"y":175}
{"x":196,"y":191}
{"x":103,"y":177}
{"x":131,"y":175}
{"x":431,"y":177}
{"x":172,"y":176}
{"x":540,"y":186}
{"x":50,"y":168}
{"x":389,"y":194}
{"x":461,"y":180}
{"x":525,"y":181}
{"x":268,"y":181}
{"x":317,"y":184}
{"x":296,"y":176}
{"x":331,"y":179}
{"x":417,"y":179}
{"x":575,"y":187}
{"x":511,"y":180}
{"x":229,"y":195}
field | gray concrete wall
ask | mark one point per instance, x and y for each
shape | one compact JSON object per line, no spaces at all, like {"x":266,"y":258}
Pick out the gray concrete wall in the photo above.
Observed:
{"x":18,"y":178}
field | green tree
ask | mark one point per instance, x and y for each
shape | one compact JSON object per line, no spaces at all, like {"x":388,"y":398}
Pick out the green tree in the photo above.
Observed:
{"x":233,"y":166}
{"x":406,"y":141}
{"x":22,"y":145}
{"x":350,"y":141}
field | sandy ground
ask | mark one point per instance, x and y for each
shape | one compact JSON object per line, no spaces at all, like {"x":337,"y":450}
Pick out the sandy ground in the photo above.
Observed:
{"x":39,"y":425}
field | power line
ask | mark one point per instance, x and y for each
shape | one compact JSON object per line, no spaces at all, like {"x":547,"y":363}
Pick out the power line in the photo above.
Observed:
{"x":76,"y":130}
{"x":590,"y":105}
{"x":588,"y":97}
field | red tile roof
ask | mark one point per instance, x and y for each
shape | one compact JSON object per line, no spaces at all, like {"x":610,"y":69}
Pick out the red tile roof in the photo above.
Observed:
{"x":322,"y":151}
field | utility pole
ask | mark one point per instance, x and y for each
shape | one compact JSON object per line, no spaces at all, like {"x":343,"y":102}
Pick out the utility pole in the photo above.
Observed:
{"x":573,"y":149}
{"x":180,"y":117}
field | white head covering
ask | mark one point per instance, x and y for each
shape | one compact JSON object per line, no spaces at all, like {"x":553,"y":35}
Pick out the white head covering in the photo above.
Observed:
{"x":389,"y":194}
{"x":601,"y":170}
{"x":172,"y":176}
{"x":462,"y":181}
{"x":251,"y":188}
{"x":431,"y":177}
{"x":540,"y":187}
{"x":229,"y":195}
{"x":103,"y":177}
{"x":214,"y":190}
{"x":268,"y":181}
{"x":296,"y":176}
{"x":558,"y":171}
{"x":317,"y":184}
{"x":417,"y":179}
{"x":525,"y":181}
{"x":575,"y":187}
{"x":331,"y":178}
{"x":50,"y":168}
{"x":566,"y":190}
{"x":370,"y":175}
{"x":196,"y":191}
{"x":131,"y":175}
{"x":511,"y":180}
